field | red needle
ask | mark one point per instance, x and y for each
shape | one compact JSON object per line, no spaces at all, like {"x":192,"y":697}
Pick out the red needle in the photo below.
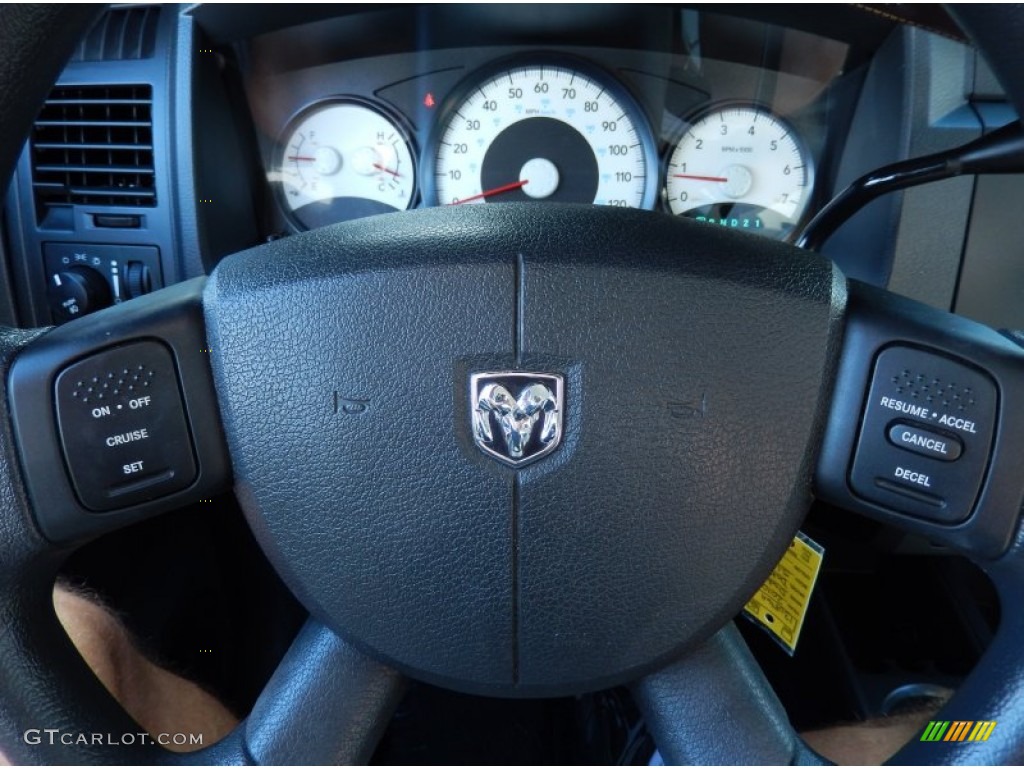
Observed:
{"x":698,"y":178}
{"x":495,"y":191}
{"x":380,"y":167}
{"x":300,"y":157}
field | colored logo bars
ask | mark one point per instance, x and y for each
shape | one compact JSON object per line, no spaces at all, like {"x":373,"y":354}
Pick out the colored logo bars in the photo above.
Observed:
{"x":958,"y":730}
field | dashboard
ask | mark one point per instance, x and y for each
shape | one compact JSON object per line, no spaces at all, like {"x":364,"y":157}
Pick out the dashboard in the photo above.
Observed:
{"x":180,"y":134}
{"x":713,"y":118}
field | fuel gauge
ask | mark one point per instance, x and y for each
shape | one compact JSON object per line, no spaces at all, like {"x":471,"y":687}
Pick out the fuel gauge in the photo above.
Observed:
{"x":342,"y":161}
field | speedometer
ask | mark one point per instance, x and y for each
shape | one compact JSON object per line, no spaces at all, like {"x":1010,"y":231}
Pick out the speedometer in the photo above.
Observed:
{"x":545,"y":133}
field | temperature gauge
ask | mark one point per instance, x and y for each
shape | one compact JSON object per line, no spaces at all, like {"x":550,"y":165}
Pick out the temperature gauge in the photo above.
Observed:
{"x":342,"y":161}
{"x":740,"y":167}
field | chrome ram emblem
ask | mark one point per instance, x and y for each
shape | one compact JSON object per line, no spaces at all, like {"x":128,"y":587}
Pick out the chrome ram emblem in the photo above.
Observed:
{"x":517,"y":417}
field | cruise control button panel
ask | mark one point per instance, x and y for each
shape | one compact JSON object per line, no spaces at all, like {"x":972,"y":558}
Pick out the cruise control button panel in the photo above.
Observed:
{"x":123,"y":428}
{"x":926,"y":435}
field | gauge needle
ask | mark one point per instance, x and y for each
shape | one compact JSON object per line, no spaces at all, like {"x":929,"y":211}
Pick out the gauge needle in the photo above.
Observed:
{"x":495,"y":191}
{"x":380,"y":167}
{"x":698,"y":178}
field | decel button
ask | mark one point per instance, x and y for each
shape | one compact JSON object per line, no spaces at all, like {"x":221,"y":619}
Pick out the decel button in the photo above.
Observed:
{"x":925,"y":442}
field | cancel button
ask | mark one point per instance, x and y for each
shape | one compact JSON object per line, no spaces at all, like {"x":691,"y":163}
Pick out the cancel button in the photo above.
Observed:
{"x":925,"y":443}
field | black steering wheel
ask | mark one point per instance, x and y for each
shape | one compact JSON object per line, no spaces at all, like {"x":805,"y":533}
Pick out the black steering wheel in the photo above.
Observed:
{"x":513,"y":450}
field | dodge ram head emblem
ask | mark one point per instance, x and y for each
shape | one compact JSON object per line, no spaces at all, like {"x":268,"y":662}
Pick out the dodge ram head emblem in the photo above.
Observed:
{"x":517,"y":417}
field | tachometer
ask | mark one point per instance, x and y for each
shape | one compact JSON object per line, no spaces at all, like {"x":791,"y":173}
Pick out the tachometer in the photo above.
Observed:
{"x":345,"y":160}
{"x":545,"y":133}
{"x":740,"y":167}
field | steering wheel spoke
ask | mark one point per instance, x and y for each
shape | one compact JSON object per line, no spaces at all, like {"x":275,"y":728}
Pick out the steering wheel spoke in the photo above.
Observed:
{"x":327,"y":704}
{"x":926,"y":427}
{"x":116,"y":418}
{"x":736,"y":701}
{"x":116,"y":382}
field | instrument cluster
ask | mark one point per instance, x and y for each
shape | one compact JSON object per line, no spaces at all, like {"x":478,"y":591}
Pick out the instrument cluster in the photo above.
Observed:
{"x":722,"y":142}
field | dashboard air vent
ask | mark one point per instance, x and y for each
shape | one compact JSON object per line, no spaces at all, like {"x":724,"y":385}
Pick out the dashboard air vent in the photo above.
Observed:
{"x":93,"y":145}
{"x":120,"y":34}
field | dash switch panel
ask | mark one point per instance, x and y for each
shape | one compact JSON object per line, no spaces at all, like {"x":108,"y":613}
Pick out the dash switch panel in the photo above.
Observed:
{"x":123,"y":427}
{"x":926,"y":435}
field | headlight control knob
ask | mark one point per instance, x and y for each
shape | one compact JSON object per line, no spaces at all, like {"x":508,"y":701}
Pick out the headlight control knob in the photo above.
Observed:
{"x":77,"y":291}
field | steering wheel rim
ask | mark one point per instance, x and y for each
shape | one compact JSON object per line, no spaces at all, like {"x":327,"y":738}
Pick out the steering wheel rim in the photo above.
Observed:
{"x":282,"y":728}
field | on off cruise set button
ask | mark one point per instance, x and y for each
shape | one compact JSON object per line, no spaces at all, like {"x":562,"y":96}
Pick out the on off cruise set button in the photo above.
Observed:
{"x":123,"y":426}
{"x":925,"y":443}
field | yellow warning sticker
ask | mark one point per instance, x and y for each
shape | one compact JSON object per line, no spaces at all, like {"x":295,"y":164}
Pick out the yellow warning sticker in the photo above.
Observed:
{"x":780,"y":605}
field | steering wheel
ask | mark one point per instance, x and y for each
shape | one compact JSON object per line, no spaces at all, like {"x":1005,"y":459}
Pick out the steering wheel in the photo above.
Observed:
{"x":512,"y":450}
